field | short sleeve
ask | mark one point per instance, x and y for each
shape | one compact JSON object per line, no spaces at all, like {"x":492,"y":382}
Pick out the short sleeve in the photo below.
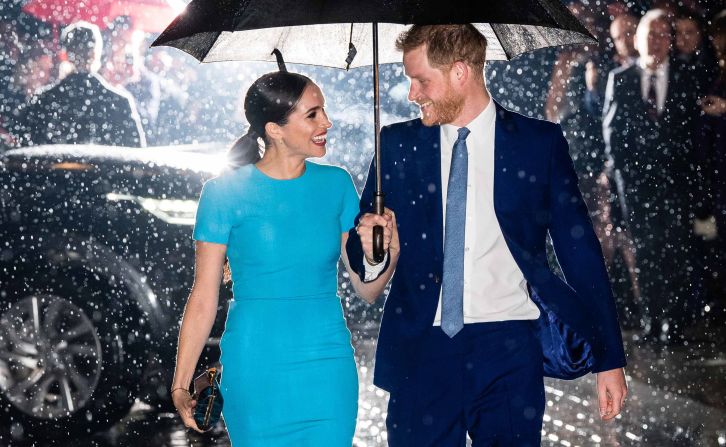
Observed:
{"x":212,"y":221}
{"x":351,"y":203}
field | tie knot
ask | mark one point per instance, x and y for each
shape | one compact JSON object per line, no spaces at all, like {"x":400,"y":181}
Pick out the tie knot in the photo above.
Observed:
{"x":463,"y":133}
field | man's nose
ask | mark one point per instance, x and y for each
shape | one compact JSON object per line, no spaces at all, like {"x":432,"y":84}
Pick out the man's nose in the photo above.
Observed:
{"x":412,"y":93}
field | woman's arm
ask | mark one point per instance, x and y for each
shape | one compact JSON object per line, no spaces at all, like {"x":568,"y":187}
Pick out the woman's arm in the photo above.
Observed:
{"x":370,"y":291}
{"x":199,"y":315}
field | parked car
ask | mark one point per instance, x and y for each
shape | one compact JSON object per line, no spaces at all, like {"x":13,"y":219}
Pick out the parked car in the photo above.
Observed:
{"x":96,"y":262}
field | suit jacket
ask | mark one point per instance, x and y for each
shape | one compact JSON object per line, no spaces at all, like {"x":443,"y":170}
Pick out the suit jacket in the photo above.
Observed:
{"x":653,"y":161}
{"x":535,"y":194}
{"x":81,"y":109}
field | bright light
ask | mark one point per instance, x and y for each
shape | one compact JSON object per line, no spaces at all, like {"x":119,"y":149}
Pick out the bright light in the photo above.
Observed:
{"x":175,"y":212}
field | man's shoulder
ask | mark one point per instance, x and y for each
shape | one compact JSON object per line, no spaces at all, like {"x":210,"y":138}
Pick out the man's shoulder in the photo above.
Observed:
{"x":510,"y":119}
{"x":112,"y":91}
{"x":413,"y":125}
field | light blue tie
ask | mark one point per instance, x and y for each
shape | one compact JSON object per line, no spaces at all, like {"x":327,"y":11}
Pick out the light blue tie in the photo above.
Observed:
{"x":452,"y":308}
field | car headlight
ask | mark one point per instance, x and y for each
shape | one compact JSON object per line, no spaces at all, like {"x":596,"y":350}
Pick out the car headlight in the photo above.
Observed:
{"x":173,"y":211}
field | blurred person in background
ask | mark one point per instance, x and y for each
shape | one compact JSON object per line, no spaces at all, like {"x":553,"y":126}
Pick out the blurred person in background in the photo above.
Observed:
{"x":711,"y":149}
{"x":175,"y":119}
{"x":124,"y":68}
{"x":33,"y":70}
{"x":648,"y":114}
{"x":622,"y":33}
{"x":575,"y":102}
{"x":692,"y":54}
{"x":82,"y":108}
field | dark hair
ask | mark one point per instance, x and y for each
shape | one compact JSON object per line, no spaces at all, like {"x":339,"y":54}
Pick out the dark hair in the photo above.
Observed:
{"x":81,"y":41}
{"x":270,"y":99}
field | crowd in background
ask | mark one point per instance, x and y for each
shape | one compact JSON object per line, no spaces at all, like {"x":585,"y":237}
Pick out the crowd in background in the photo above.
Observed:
{"x":644,"y":112}
{"x":645,"y":124}
{"x":36,"y":58}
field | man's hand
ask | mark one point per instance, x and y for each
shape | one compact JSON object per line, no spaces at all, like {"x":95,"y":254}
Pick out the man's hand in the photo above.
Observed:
{"x":706,"y":228}
{"x":365,"y":231}
{"x":713,"y":105}
{"x":611,"y":392}
{"x":185,"y":405}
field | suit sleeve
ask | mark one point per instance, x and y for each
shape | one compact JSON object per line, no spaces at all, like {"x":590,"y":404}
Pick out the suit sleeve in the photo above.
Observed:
{"x":353,"y":247}
{"x":580,"y":256}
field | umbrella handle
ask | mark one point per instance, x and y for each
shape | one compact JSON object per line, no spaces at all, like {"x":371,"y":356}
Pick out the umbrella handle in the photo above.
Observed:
{"x":378,"y":252}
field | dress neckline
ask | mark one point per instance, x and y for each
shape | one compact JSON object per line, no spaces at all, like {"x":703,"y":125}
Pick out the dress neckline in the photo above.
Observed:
{"x":299,"y":177}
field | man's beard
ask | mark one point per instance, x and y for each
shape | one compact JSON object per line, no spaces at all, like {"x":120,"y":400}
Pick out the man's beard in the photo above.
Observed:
{"x":443,"y":111}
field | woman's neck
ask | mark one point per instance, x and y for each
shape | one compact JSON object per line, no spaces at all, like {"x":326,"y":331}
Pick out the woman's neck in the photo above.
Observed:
{"x":280,"y":166}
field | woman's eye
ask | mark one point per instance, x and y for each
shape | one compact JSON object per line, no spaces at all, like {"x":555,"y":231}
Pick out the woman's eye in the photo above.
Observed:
{"x":312,"y":115}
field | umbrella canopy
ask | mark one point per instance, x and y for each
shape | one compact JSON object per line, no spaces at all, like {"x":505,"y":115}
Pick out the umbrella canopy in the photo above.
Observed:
{"x":147,"y":15}
{"x":319,"y":33}
{"x":338,"y":34}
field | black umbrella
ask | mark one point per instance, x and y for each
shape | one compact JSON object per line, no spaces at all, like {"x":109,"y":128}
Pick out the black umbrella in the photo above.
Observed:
{"x":346,"y":33}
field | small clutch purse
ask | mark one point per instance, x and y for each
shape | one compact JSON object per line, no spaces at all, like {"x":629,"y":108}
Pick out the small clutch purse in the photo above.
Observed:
{"x":209,"y":399}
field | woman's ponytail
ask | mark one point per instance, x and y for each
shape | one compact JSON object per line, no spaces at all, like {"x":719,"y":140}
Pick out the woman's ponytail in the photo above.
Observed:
{"x":246,"y":150}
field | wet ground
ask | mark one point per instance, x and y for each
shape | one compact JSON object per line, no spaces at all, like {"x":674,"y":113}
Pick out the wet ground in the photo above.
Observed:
{"x":677,"y":398}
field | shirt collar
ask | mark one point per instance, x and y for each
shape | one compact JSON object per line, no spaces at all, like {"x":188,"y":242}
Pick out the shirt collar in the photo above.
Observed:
{"x":478,"y":125}
{"x":661,"y":71}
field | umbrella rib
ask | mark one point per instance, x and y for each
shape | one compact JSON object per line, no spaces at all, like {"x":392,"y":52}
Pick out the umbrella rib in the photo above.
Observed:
{"x":499,"y":38}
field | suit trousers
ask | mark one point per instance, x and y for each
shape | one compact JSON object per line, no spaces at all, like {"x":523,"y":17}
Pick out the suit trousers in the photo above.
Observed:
{"x":486,"y":381}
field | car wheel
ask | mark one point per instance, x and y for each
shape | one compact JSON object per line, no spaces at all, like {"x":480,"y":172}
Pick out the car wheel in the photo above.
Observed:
{"x":68,"y":361}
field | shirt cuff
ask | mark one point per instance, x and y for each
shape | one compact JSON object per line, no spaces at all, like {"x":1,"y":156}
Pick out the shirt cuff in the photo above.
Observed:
{"x":374,"y":271}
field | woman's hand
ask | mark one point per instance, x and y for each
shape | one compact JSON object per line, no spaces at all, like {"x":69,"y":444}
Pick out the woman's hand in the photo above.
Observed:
{"x":185,"y":406}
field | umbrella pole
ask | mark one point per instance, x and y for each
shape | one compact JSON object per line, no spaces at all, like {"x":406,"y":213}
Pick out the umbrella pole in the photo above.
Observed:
{"x":378,"y":253}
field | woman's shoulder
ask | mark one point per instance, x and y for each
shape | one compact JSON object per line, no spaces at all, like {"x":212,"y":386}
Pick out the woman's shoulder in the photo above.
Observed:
{"x":331,"y":172}
{"x":229,"y":178}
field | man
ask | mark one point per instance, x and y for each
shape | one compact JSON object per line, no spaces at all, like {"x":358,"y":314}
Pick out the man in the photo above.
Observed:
{"x":692,"y":56}
{"x":575,"y":102}
{"x":82,"y":108}
{"x":622,"y":33}
{"x":647,"y":127}
{"x":476,"y":189}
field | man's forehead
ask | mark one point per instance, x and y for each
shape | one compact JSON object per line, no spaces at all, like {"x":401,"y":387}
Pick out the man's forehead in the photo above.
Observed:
{"x":660,"y":25}
{"x":414,"y":61}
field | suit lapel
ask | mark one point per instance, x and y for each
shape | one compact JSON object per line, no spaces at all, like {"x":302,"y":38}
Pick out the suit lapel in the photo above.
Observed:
{"x":504,"y":165}
{"x":429,"y":180}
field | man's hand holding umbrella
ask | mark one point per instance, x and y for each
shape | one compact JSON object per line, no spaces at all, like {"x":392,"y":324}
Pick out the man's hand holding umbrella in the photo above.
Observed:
{"x":365,"y":230}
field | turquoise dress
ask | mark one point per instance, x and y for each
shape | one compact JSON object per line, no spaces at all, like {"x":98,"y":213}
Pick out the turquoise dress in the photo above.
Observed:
{"x":288,"y":373}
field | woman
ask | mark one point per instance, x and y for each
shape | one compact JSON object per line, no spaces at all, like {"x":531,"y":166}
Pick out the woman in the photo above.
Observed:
{"x":288,"y":375}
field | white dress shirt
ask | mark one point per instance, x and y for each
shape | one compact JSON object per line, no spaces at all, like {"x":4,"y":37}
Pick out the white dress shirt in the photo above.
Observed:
{"x":494,"y":286}
{"x":661,"y":83}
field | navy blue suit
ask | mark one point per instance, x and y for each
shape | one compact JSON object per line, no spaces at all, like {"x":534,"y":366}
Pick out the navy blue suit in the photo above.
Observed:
{"x":535,"y":193}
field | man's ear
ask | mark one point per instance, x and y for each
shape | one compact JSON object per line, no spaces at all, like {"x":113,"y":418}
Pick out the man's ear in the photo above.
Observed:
{"x":460,"y":72}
